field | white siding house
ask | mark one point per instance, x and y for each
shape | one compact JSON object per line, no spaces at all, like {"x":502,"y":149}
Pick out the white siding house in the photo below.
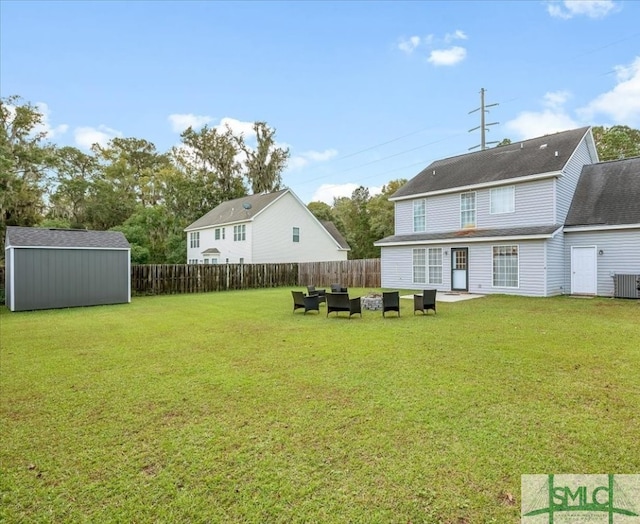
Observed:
{"x":490,"y":221}
{"x":266,"y":228}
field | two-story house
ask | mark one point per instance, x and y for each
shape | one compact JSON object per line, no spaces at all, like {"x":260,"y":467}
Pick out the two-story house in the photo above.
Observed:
{"x":264,"y":228}
{"x":490,"y":221}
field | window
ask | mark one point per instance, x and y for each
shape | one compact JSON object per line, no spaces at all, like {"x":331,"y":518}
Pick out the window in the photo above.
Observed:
{"x":214,"y":260}
{"x":467,"y":210}
{"x":419,"y":266}
{"x":502,"y":200}
{"x":194,"y":239}
{"x":296,"y":234}
{"x":193,"y":261}
{"x":435,"y":265}
{"x":217,"y":234}
{"x":419,"y":216}
{"x":206,"y":260}
{"x":505,"y":266}
{"x":239,"y":233}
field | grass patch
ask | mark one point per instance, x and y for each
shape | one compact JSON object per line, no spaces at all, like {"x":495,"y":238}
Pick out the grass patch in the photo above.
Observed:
{"x":227,"y":407}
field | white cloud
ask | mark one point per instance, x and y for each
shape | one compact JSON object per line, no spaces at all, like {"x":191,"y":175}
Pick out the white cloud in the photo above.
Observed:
{"x":551,"y":119}
{"x":409,"y":45}
{"x":447,"y":57}
{"x":238,"y":127}
{"x":327,"y":192}
{"x":567,"y":9}
{"x":45,"y":126}
{"x":622,"y":103}
{"x":456,"y":35}
{"x":85,"y":137}
{"x":304,"y":159}
{"x":180,"y":122}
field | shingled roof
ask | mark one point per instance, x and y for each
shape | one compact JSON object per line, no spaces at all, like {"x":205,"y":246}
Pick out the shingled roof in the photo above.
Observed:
{"x":18,"y":236}
{"x":546,"y":154}
{"x":237,"y":210}
{"x":608,"y":193}
{"x":333,"y":231}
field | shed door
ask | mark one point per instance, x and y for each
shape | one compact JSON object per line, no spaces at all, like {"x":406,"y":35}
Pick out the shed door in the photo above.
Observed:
{"x":583,"y":271}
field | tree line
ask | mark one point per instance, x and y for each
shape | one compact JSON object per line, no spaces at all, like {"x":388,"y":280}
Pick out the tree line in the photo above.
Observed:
{"x":151,"y":196}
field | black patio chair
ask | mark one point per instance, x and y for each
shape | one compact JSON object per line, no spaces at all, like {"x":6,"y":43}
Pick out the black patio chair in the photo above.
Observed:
{"x":390,"y":302}
{"x":311,"y":290}
{"x":425,"y":302}
{"x":337,"y":302}
{"x":308,"y":303}
{"x":337,"y":288}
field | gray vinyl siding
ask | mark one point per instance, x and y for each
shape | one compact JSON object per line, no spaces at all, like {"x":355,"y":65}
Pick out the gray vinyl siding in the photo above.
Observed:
{"x":621,"y":255}
{"x":556,"y":284}
{"x":397,"y":268}
{"x":566,"y":184}
{"x":58,"y":278}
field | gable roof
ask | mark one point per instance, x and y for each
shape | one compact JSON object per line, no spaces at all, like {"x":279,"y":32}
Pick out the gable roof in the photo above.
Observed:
{"x":546,"y":154}
{"x":333,"y":231}
{"x":608,"y":193}
{"x":236,"y":210}
{"x":18,"y":236}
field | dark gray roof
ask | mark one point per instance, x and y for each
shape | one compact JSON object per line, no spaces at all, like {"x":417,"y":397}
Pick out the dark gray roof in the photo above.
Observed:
{"x":520,"y":159}
{"x":42,"y":237}
{"x":237,"y":210}
{"x":333,"y":231}
{"x":608,"y":193}
{"x":460,"y":235}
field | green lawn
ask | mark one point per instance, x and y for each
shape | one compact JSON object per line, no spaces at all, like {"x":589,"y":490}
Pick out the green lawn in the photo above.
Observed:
{"x":227,"y":407}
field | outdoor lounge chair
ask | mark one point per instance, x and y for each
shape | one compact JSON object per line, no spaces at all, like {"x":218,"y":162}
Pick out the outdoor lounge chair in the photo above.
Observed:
{"x":425,"y":302}
{"x":390,"y":302}
{"x":308,"y":303}
{"x":337,"y":288}
{"x":337,"y":302}
{"x":320,"y":293}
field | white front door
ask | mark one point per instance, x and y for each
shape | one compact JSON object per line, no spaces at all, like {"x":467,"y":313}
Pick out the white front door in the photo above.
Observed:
{"x":583,"y":271}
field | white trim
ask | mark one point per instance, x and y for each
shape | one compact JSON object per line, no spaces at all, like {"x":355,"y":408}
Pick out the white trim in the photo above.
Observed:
{"x":129,"y":276}
{"x":449,"y":240}
{"x":73,"y":247}
{"x":492,"y":267}
{"x":595,"y":268}
{"x":12,"y":277}
{"x":572,"y":229}
{"x":473,"y":187}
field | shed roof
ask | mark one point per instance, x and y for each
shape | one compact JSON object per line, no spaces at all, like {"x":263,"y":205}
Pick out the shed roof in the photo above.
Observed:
{"x":546,"y":154}
{"x":18,"y":236}
{"x":608,"y":193}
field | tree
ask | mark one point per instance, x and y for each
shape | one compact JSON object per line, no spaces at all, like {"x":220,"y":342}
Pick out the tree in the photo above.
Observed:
{"x":24,"y":160}
{"x":504,"y":142}
{"x":382,"y":211}
{"x":354,"y":215}
{"x":321,"y":210}
{"x":264,"y":164}
{"x":616,"y":142}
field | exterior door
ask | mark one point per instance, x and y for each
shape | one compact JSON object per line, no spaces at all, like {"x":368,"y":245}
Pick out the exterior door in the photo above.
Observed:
{"x":459,"y":269}
{"x":583,"y":271}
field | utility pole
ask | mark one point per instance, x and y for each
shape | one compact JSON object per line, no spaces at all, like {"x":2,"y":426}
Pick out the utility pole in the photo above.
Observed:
{"x":483,"y":126}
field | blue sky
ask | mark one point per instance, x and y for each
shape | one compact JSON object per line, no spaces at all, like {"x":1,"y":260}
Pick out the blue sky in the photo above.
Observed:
{"x":361,"y":92}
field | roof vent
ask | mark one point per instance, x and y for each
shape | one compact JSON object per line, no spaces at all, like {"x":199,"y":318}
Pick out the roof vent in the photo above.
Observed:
{"x":543,"y":146}
{"x":434,"y":172}
{"x":556,"y":153}
{"x":521,"y":145}
{"x":247,"y":205}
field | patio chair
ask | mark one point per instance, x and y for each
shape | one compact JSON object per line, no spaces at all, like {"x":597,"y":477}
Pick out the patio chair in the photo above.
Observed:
{"x":311,"y":290}
{"x":337,"y":302}
{"x":337,"y":288}
{"x":308,"y":303}
{"x":425,"y":302}
{"x":390,"y":302}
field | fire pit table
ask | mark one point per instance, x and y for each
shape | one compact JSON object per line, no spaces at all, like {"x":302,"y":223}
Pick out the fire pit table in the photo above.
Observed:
{"x":372,"y":302}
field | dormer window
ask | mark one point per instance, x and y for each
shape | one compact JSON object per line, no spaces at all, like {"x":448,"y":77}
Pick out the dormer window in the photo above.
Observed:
{"x":468,"y":210}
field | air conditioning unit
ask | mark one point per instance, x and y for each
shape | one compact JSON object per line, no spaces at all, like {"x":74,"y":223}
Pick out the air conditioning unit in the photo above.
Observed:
{"x":626,"y":286}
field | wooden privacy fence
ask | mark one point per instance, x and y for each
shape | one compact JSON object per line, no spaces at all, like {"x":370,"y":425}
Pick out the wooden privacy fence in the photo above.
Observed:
{"x":348,"y":273}
{"x":163,"y":279}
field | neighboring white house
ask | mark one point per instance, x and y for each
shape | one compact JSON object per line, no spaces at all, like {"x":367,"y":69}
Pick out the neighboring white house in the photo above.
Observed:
{"x":265,"y":228}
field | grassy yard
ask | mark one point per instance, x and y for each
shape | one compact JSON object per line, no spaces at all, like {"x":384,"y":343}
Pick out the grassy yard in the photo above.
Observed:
{"x":227,"y":407}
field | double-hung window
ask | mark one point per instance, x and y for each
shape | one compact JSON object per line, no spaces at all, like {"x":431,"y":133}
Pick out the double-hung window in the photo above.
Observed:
{"x":419,"y":266}
{"x":419,"y":216}
{"x":502,"y":200}
{"x":296,"y":234}
{"x":505,"y":266}
{"x":435,"y":265}
{"x":468,"y":210}
{"x":194,"y":239}
{"x":239,"y":233}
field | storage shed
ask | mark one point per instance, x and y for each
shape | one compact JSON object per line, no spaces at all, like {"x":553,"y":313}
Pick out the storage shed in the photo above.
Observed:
{"x":58,"y":268}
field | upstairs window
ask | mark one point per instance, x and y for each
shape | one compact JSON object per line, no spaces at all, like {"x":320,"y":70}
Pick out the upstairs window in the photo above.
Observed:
{"x":194,"y":239}
{"x":467,"y":210}
{"x":502,"y":200}
{"x":419,"y":216}
{"x":296,"y":234}
{"x":239,"y":233}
